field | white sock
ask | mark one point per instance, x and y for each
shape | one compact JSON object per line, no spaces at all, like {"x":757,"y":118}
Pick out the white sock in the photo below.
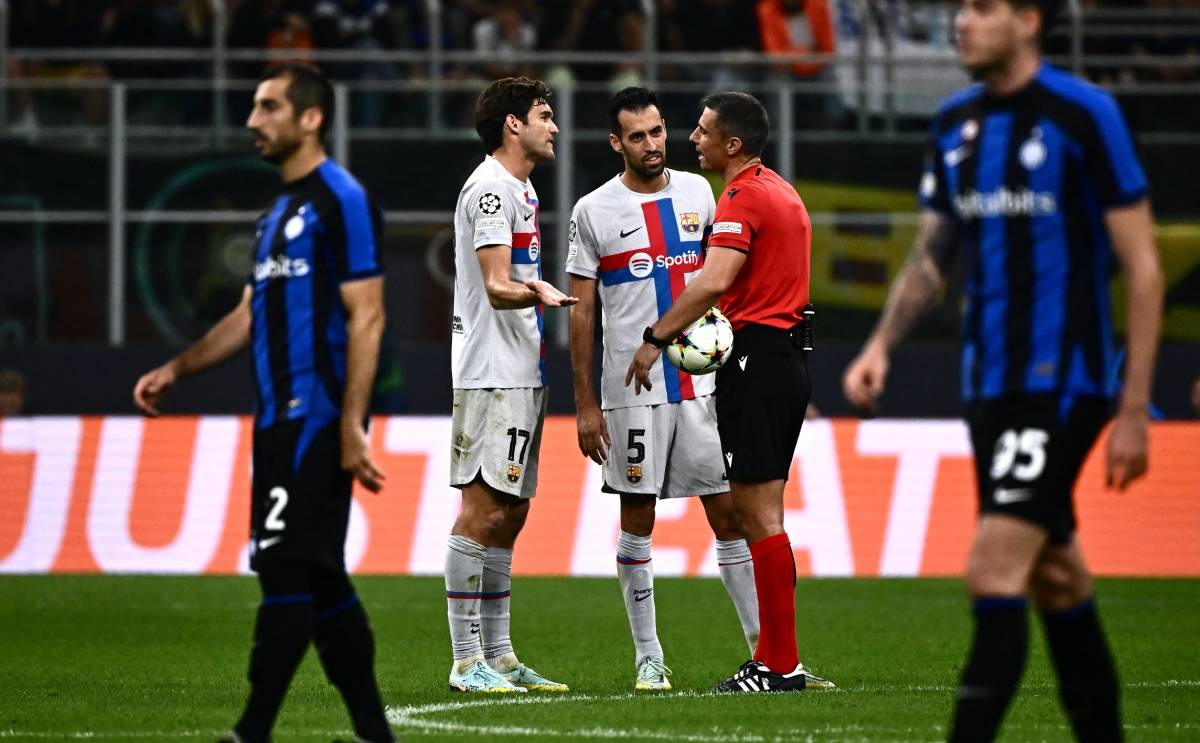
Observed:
{"x":737,"y":573}
{"x":636,"y":574}
{"x":464,"y":576}
{"x":494,"y":609}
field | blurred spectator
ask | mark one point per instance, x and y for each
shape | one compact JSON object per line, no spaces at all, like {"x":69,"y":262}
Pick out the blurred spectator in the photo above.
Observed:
{"x":270,"y":24}
{"x":42,"y":24}
{"x":13,"y":393}
{"x":504,"y":33}
{"x":803,"y":27}
{"x":361,"y":25}
{"x":1196,"y":397}
{"x":717,"y":26}
{"x":157,"y":23}
{"x":591,"y":26}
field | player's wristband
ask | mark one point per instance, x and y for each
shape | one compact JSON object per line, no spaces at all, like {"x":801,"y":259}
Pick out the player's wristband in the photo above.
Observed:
{"x":648,"y":336}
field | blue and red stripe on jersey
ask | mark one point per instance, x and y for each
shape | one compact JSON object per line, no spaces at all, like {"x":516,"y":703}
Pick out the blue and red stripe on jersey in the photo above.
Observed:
{"x":523,"y":256}
{"x":663,"y":234}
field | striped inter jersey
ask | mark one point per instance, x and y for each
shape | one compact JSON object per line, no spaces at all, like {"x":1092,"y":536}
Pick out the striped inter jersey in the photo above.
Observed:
{"x":491,"y":348}
{"x":1028,"y":177}
{"x":322,"y":231}
{"x":643,"y":249}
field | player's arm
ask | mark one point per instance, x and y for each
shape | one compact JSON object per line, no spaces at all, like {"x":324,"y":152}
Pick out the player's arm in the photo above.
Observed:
{"x":230,"y":335}
{"x":721,"y":267}
{"x":1131,"y":229}
{"x":495,"y":261}
{"x":363,"y":300}
{"x":593,"y":434}
{"x":915,"y":289}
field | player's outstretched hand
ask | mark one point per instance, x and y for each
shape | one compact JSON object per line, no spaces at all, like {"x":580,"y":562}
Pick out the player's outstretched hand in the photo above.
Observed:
{"x":864,"y":379}
{"x":356,"y":458}
{"x":593,"y":434}
{"x":152,"y":388}
{"x":639,"y":368}
{"x":1127,"y":449}
{"x":548,"y":295}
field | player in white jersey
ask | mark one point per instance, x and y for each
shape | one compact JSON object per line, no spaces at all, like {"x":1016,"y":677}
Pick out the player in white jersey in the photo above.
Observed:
{"x":637,"y":240}
{"x":499,"y":388}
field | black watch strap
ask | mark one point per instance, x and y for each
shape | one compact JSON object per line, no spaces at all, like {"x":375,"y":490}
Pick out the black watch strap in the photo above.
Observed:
{"x":648,"y":336}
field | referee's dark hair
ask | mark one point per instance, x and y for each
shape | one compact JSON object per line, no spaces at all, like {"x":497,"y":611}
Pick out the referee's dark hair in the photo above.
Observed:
{"x":509,"y":95}
{"x":307,"y":88}
{"x":741,"y":115}
{"x":632,"y":100}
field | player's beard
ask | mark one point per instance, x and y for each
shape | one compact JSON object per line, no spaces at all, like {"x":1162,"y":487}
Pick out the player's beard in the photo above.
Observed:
{"x":279,"y":150}
{"x":647,"y":172}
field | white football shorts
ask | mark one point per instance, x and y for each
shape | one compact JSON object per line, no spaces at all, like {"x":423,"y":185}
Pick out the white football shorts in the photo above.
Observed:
{"x":670,"y":450}
{"x":496,"y":434}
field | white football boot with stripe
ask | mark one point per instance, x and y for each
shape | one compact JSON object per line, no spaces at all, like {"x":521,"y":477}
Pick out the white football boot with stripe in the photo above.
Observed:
{"x":652,"y":676}
{"x":480,"y":678}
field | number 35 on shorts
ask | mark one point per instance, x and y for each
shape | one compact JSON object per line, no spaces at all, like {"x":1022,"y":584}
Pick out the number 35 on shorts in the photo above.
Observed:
{"x":1020,"y":453}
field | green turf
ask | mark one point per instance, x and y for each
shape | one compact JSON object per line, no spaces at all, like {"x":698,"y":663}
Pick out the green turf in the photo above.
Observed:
{"x":149,"y":658}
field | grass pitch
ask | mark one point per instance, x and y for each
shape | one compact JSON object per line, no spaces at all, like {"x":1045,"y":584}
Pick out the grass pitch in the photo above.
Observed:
{"x":116,"y":658}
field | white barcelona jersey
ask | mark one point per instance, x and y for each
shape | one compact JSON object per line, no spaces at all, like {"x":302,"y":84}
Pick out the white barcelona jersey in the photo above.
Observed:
{"x":643,"y":249}
{"x":492,"y":348}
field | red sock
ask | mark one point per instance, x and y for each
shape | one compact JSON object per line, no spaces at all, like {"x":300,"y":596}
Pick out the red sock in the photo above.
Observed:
{"x":775,"y":581}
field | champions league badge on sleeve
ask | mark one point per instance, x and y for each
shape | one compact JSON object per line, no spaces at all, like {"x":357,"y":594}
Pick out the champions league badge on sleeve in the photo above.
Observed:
{"x":489,"y":203}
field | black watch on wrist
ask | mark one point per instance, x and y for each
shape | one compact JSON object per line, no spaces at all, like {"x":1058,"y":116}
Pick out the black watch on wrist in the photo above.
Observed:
{"x":648,"y":336}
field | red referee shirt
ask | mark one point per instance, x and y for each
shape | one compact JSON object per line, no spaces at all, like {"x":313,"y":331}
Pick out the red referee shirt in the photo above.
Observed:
{"x":761,"y":215}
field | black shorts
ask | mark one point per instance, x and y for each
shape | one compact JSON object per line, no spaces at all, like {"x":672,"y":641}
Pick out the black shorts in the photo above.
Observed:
{"x":300,"y":501}
{"x":762,"y":393}
{"x":1028,"y":453}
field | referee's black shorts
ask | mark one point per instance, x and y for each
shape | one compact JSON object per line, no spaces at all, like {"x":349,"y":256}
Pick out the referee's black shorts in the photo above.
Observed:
{"x":762,"y":394}
{"x":300,"y":501}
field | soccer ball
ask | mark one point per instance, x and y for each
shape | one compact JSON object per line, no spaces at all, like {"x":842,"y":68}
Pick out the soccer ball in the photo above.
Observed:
{"x":704,"y":345}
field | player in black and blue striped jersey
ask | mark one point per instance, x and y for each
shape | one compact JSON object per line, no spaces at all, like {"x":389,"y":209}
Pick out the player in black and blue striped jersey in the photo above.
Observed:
{"x":1032,"y":177}
{"x":312,"y":314}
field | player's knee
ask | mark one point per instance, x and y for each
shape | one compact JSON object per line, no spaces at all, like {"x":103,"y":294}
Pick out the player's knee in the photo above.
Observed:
{"x":637,"y":514}
{"x":1057,"y":585}
{"x":991,"y":578}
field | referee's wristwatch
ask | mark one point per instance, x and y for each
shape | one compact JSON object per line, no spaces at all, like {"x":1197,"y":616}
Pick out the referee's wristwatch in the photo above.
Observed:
{"x":648,"y":337}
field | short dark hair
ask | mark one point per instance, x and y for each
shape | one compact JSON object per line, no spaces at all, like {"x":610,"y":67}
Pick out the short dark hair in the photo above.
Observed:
{"x":741,"y":115}
{"x":1049,"y":10}
{"x":509,"y":95}
{"x":630,"y":99}
{"x":307,"y":88}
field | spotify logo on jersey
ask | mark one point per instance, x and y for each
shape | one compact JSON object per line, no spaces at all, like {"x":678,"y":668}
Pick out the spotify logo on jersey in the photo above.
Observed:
{"x":640,"y":265}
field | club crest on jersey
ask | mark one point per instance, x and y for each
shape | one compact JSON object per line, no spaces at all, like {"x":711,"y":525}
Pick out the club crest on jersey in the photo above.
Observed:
{"x":633,"y":473}
{"x":514,"y":473}
{"x":970,"y":130}
{"x":294,"y":227}
{"x":489,"y":203}
{"x":1033,"y":152}
{"x":690,"y":222}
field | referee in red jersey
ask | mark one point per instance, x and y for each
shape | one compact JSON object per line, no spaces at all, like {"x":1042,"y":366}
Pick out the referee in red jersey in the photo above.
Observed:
{"x":757,"y":266}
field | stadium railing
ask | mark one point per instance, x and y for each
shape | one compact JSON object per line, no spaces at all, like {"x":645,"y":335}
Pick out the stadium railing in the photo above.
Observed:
{"x":884,"y":81}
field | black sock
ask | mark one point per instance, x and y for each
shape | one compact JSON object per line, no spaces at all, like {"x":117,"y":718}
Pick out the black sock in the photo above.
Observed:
{"x":281,"y":635}
{"x":1087,"y":679}
{"x":346,"y":647}
{"x":993,"y":669}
